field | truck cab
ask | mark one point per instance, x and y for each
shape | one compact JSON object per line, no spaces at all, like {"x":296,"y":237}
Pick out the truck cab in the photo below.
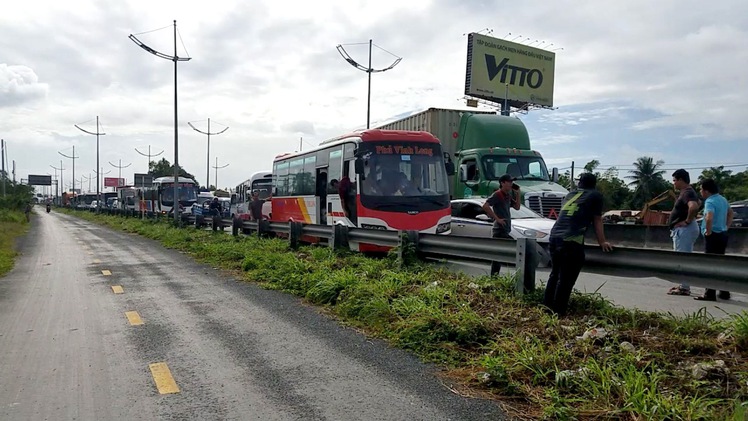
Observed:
{"x":489,"y":146}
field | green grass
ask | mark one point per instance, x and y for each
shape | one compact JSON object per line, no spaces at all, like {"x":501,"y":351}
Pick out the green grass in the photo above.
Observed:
{"x":12,"y":225}
{"x":496,"y":344}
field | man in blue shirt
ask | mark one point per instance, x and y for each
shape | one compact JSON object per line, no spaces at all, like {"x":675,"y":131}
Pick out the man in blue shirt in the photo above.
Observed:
{"x":717,"y":218}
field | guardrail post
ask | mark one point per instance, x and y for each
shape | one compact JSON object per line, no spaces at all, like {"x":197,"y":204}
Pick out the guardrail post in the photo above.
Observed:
{"x":407,"y":245}
{"x":527,"y":262}
{"x":339,"y":237}
{"x":294,"y":237}
{"x":236,"y":225}
{"x":214,"y":220}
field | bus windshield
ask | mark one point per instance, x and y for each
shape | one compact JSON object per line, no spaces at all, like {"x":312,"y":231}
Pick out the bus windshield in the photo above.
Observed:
{"x":187,"y":194}
{"x":403,"y":176}
{"x":521,"y":167}
{"x":263,"y":187}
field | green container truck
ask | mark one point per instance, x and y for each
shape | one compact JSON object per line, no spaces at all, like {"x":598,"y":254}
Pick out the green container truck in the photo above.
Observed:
{"x":484,"y":145}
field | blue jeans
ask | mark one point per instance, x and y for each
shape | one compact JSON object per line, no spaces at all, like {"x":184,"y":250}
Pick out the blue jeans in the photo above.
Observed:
{"x":684,"y":239}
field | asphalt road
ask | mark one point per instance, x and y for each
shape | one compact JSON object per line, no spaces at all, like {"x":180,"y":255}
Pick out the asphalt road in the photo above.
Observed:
{"x":649,"y":294}
{"x":180,"y":340}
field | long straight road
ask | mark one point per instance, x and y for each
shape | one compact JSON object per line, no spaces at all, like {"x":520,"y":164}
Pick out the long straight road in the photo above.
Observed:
{"x":102,"y":325}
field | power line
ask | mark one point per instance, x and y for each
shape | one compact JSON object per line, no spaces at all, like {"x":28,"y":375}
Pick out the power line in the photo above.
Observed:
{"x":153,"y":30}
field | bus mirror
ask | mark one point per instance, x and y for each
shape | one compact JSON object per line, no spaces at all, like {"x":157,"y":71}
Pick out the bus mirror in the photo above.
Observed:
{"x":463,"y":173}
{"x":554,"y":177}
{"x":359,"y":166}
{"x":450,"y":167}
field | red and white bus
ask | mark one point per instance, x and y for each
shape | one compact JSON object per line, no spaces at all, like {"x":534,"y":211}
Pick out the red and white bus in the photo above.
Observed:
{"x":398,"y":181}
{"x":262,"y":182}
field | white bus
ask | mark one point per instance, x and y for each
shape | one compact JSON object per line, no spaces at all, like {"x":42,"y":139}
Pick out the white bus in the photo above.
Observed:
{"x":164,"y":188}
{"x":262,"y":182}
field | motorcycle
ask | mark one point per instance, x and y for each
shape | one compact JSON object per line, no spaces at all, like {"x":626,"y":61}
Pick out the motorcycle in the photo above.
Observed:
{"x":49,"y":208}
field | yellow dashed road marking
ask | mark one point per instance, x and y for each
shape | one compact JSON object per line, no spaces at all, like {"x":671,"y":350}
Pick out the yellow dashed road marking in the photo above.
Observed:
{"x":134,"y":318}
{"x":106,"y":272}
{"x":97,"y":261}
{"x":162,"y":376}
{"x":117,"y":289}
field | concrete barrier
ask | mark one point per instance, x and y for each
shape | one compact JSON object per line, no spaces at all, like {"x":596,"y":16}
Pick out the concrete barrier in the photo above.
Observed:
{"x":658,"y":237}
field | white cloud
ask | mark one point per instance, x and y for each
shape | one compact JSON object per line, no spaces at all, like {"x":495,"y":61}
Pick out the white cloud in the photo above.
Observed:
{"x":270,"y":71}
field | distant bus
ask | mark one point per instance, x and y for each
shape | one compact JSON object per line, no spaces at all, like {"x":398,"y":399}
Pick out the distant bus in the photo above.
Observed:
{"x":261,"y":182}
{"x":398,"y":181}
{"x":164,"y":188}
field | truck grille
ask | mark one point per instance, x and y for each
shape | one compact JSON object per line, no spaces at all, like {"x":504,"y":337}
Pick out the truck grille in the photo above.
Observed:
{"x":548,"y":206}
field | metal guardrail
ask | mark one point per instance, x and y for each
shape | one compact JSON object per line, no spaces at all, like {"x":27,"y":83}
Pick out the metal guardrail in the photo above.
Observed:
{"x":725,"y":272}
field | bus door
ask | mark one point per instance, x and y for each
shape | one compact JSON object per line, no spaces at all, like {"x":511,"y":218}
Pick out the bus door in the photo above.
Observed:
{"x":321,"y":195}
{"x":334,"y":173}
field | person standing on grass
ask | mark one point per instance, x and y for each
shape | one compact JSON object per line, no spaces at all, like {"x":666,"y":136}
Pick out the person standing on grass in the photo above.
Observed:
{"x":580,"y":209}
{"x":717,"y":220}
{"x":683,"y":227}
{"x":498,"y":207}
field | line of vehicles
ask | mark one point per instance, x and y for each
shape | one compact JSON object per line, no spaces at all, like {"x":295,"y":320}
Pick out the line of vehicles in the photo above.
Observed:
{"x":429,"y":172}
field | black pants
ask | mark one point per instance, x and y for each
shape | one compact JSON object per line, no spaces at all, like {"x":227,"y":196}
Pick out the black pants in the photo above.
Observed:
{"x":498,"y":233}
{"x":567,"y":258}
{"x":715,"y":243}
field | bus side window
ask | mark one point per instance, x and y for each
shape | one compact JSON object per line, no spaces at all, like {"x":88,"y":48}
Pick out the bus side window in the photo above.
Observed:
{"x":335,"y":170}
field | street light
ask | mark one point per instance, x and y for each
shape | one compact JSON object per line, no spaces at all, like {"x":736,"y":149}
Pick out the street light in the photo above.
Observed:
{"x":175,"y":59}
{"x":217,"y":168}
{"x":368,"y":70}
{"x":120,"y":166}
{"x":148,"y":168}
{"x":97,"y":134}
{"x":207,"y":170}
{"x":73,"y":157}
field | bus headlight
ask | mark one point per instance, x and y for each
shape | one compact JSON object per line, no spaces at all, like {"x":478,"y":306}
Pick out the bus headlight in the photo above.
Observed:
{"x":444,"y":227}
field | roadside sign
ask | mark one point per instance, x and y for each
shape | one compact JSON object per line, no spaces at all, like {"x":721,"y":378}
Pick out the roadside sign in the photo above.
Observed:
{"x":113,"y":182}
{"x":40,"y":180}
{"x":143,"y":180}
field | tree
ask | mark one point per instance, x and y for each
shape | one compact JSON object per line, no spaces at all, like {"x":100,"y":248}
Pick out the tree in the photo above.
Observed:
{"x":164,"y":168}
{"x":647,"y":181}
{"x":733,"y":187}
{"x":614,"y":190}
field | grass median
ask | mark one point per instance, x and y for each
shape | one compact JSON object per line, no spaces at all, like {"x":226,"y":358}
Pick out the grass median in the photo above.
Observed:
{"x":600,"y":362}
{"x":12,"y":225}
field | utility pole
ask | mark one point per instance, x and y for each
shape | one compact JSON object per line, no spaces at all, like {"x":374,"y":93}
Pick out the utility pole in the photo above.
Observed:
{"x":218,"y":168}
{"x":73,"y":157}
{"x":148,"y":168}
{"x":175,"y":59}
{"x":14,"y":171}
{"x":207,"y":168}
{"x":120,"y":170}
{"x":97,"y":134}
{"x":571,"y":180}
{"x":368,"y":70}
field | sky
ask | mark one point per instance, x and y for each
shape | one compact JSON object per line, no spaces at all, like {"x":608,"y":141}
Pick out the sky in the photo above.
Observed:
{"x":665,"y":79}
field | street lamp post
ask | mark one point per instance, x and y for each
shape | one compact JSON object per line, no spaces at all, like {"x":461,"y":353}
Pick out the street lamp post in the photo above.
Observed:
{"x":59,"y":203}
{"x":73,"y":157}
{"x":368,"y":70}
{"x":120,"y":166}
{"x":148,"y":168}
{"x":175,"y":59}
{"x":207,"y":170}
{"x":97,"y":134}
{"x":218,"y":168}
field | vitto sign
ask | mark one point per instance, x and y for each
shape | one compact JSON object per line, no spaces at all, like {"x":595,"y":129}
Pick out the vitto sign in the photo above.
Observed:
{"x":498,"y":69}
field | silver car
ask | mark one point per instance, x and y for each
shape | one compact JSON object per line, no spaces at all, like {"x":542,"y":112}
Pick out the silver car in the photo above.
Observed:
{"x":470,"y":220}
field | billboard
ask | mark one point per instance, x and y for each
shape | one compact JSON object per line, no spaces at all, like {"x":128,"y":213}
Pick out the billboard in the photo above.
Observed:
{"x":143,"y":180}
{"x":40,"y":180}
{"x":113,"y":182}
{"x":498,"y":69}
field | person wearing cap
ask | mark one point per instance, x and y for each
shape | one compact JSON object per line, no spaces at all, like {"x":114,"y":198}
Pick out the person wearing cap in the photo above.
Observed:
{"x":580,"y":208}
{"x":498,"y":207}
